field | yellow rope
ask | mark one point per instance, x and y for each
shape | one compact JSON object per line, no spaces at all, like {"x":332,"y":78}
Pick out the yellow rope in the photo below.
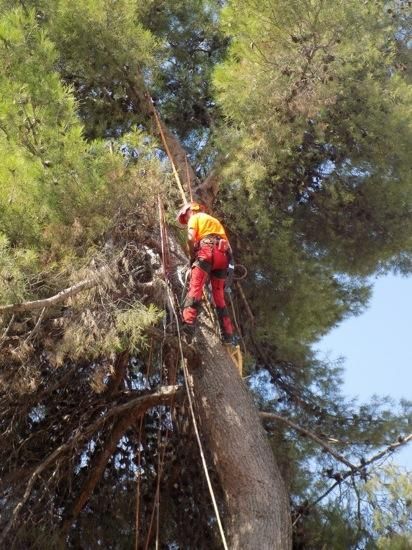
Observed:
{"x":169,"y":154}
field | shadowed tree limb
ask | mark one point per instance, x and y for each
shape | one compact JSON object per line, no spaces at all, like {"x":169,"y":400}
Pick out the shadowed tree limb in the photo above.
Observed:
{"x":99,"y":463}
{"x":164,"y":395}
{"x":57,"y":298}
{"x":120,"y":371}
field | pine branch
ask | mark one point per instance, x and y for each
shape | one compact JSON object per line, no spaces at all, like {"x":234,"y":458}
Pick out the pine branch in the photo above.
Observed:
{"x":205,"y":191}
{"x":364,"y":463}
{"x":138,"y":91}
{"x":164,"y":395}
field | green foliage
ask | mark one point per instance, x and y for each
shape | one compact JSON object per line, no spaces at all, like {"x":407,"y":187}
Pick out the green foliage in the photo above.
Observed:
{"x":58,"y":193}
{"x":48,"y":173}
{"x":192,"y":43}
{"x":15,"y":267}
{"x":320,"y":114}
{"x":102,"y":48}
{"x":95,"y":335}
{"x":317,"y":190}
{"x":397,"y":542}
{"x":131,"y":325}
{"x":389,"y":492}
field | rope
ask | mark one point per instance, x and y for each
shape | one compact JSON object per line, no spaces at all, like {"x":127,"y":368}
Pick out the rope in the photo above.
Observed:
{"x":139,"y":460}
{"x":169,"y":154}
{"x":139,"y":464}
{"x":192,"y":414}
{"x":189,"y":390}
{"x":161,"y":442}
{"x":189,"y":183}
{"x":163,"y":240}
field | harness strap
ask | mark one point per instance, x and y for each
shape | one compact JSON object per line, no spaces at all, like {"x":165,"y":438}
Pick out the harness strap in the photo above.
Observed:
{"x":203,"y":264}
{"x":210,"y":239}
{"x":192,"y":302}
{"x":219,"y":273}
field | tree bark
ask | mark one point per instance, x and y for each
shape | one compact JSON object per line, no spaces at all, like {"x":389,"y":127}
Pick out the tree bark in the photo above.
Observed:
{"x":256,"y":498}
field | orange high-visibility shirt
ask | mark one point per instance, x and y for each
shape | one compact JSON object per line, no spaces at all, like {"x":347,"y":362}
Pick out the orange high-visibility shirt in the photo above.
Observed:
{"x":203,"y":225}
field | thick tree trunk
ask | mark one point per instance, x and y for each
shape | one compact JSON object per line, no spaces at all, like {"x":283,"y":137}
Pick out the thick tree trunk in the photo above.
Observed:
{"x":257,"y":502}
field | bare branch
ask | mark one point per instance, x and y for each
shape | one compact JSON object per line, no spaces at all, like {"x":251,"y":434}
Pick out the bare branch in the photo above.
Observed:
{"x":389,"y":449}
{"x":59,"y":297}
{"x":36,"y":327}
{"x":361,"y":468}
{"x":3,"y":337}
{"x":310,"y":435}
{"x":99,"y":464}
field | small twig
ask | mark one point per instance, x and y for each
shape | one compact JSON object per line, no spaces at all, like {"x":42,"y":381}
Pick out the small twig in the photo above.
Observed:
{"x":7,"y":330}
{"x":36,"y":327}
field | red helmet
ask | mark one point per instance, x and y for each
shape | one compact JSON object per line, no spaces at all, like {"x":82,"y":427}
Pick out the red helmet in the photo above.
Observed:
{"x":193,"y":206}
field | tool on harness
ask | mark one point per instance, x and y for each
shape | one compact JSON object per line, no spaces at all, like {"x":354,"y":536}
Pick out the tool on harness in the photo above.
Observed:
{"x":229,"y":277}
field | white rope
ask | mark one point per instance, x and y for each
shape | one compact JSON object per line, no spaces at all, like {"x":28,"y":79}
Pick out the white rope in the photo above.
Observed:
{"x":192,"y":413}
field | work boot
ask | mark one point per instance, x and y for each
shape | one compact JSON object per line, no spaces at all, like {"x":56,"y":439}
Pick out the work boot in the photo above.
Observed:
{"x":188,"y":331}
{"x":228,"y":340}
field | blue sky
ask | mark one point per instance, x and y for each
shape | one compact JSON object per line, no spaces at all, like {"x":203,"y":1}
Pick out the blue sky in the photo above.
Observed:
{"x":377,"y":347}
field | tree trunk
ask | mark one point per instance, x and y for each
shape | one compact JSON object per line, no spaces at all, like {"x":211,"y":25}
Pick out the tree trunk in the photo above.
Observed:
{"x":256,"y":498}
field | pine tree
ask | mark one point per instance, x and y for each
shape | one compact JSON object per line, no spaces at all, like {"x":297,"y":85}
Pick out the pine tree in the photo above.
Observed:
{"x":303,"y":111}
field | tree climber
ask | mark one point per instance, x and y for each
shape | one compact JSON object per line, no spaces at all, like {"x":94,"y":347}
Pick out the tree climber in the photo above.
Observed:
{"x":209,"y":252}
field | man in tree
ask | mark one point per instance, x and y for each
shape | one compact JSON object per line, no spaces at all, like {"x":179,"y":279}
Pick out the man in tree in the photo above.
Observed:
{"x":209,"y":252}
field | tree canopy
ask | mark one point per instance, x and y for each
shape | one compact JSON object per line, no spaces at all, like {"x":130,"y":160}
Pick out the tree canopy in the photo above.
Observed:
{"x":296,"y":116}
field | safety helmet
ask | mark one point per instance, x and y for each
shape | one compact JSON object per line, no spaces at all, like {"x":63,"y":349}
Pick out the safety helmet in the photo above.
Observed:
{"x":193,"y":206}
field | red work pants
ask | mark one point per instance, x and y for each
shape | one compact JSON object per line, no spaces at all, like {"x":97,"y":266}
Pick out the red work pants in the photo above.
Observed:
{"x":210,"y":261}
